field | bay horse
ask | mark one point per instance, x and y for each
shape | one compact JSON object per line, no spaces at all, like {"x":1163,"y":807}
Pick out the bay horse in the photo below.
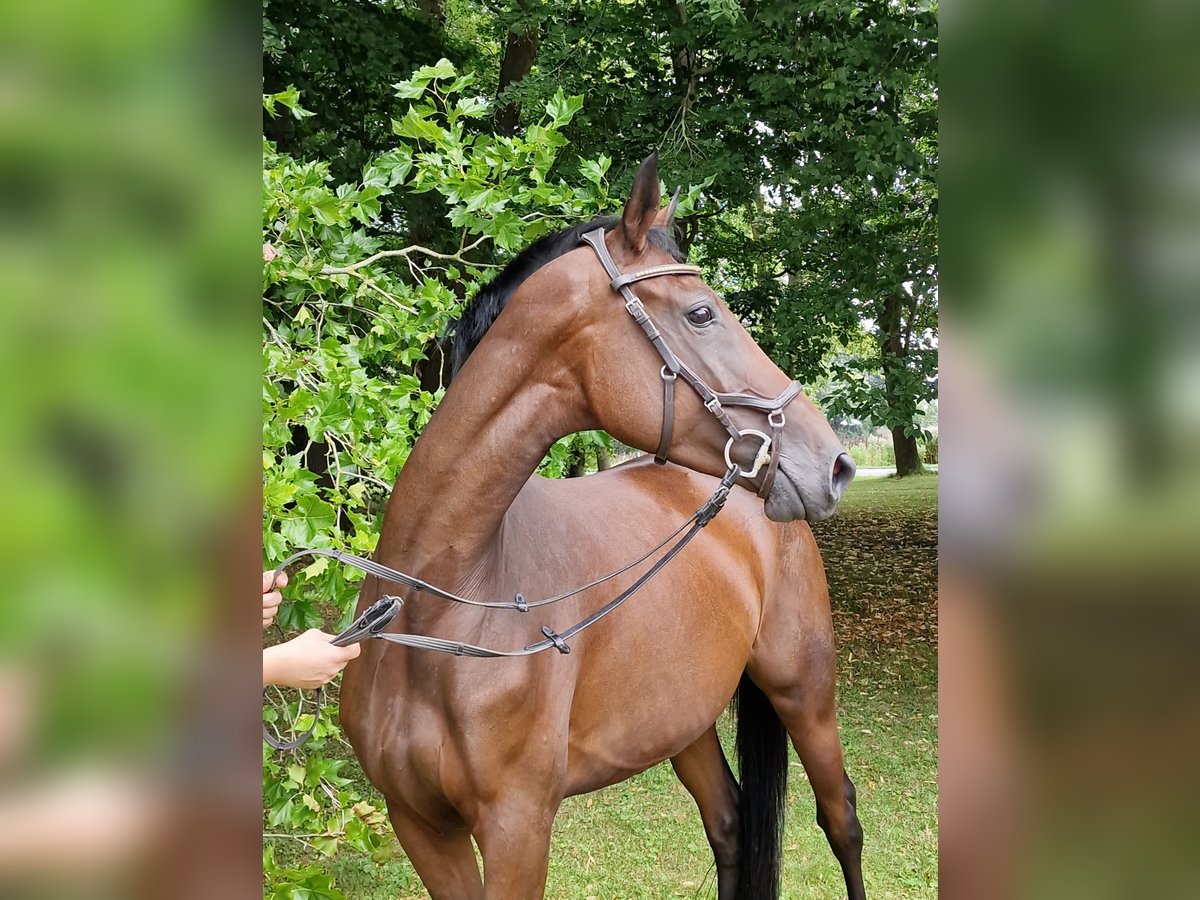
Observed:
{"x":487,"y":749}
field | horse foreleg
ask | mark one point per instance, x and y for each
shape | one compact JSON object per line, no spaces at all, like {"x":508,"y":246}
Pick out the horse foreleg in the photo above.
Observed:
{"x":705,"y":773}
{"x":444,"y":860}
{"x":514,"y":839}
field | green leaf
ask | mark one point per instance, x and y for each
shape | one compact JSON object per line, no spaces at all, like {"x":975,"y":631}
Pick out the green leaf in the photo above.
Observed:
{"x":591,"y":170}
{"x":416,"y":126}
{"x":561,"y":109}
{"x":411,"y":89}
{"x":473,"y":107}
{"x":507,"y":230}
{"x":317,"y":567}
{"x":327,"y":846}
{"x":443,"y":68}
{"x":328,"y":211}
{"x":310,"y":517}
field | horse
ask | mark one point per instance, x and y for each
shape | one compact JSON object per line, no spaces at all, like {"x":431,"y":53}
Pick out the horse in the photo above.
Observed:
{"x":469,"y":749}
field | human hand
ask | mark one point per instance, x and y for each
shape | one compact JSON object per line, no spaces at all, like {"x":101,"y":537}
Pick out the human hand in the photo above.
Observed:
{"x":271,"y":597}
{"x":307,"y":661}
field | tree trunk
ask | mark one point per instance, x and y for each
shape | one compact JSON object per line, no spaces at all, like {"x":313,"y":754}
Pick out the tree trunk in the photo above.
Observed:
{"x":603,"y":459}
{"x":893,"y":350}
{"x":434,"y":9}
{"x":683,"y":65}
{"x":908,"y":455}
{"x":520,"y":50}
{"x":578,"y":467}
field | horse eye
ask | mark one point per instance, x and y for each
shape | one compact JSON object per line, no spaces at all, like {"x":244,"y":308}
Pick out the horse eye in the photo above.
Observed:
{"x":701,"y":315}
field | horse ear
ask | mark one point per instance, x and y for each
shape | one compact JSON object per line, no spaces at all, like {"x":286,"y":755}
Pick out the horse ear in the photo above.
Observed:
{"x":666,"y":217}
{"x":644,"y":200}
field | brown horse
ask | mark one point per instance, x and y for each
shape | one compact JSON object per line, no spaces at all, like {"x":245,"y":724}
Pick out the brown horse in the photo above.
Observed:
{"x":487,"y":749}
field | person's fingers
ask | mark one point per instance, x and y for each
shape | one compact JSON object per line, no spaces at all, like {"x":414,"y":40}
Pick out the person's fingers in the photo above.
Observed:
{"x":271,"y":603}
{"x":352,"y":651}
{"x":270,"y":581}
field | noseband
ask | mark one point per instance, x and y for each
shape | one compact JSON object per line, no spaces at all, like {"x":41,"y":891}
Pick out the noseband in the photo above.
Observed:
{"x":673,"y":367}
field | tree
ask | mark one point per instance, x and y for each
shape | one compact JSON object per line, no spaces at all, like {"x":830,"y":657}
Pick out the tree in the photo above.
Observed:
{"x":342,"y":56}
{"x":846,"y":97}
{"x":813,"y":128}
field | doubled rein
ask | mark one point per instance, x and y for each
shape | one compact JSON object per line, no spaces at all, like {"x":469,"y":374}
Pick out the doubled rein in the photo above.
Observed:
{"x":370,"y":624}
{"x":714,"y":401}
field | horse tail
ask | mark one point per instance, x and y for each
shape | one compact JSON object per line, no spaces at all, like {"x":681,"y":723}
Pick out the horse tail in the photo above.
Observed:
{"x":762,"y":748}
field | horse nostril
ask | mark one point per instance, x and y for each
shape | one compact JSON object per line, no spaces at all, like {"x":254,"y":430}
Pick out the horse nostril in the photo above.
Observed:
{"x":843,"y":473}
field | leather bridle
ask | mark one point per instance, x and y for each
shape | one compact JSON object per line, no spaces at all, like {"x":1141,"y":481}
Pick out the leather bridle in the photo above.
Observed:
{"x":371,"y":623}
{"x":673,"y":367}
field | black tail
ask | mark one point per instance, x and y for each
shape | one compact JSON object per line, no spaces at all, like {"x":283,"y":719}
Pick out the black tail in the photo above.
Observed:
{"x":762,"y":744}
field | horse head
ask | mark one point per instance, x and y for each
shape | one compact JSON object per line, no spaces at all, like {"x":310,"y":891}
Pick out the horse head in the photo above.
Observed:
{"x":641,"y":320}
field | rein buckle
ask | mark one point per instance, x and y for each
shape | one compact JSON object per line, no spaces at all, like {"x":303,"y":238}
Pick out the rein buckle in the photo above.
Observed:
{"x":559,"y":644}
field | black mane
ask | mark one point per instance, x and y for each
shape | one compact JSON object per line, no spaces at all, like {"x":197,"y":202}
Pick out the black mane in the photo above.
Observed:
{"x":482,"y":311}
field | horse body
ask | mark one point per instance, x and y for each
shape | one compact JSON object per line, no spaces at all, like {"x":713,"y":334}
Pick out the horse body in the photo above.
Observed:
{"x":459,"y":731}
{"x":487,"y":749}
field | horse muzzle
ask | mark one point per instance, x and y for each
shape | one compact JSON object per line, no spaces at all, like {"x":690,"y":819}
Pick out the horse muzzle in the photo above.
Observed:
{"x":808,"y":489}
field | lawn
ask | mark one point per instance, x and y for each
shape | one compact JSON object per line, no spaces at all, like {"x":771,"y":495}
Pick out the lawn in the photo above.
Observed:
{"x":643,"y":839}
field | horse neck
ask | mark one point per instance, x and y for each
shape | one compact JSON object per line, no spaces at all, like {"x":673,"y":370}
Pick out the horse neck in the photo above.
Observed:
{"x":499,"y":417}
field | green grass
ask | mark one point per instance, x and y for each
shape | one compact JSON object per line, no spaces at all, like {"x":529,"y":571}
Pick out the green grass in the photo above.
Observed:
{"x":911,"y":496}
{"x":643,"y":839}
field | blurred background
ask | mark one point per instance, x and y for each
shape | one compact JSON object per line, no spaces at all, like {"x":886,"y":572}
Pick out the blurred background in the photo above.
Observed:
{"x":1070,"y":344}
{"x":129,"y":267}
{"x":130,"y":359}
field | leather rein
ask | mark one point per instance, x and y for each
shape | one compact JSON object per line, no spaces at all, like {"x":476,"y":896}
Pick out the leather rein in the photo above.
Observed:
{"x":372,"y":621}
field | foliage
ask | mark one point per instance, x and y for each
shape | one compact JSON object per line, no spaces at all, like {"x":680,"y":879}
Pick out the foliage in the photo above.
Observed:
{"x":342,"y":57}
{"x":929,"y":451}
{"x":577,"y":449}
{"x":349,"y":319}
{"x":872,"y":452}
{"x":812,"y":127}
{"x":294,"y":882}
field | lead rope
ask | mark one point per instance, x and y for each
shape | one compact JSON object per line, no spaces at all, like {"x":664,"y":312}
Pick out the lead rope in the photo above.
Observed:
{"x":380,"y":613}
